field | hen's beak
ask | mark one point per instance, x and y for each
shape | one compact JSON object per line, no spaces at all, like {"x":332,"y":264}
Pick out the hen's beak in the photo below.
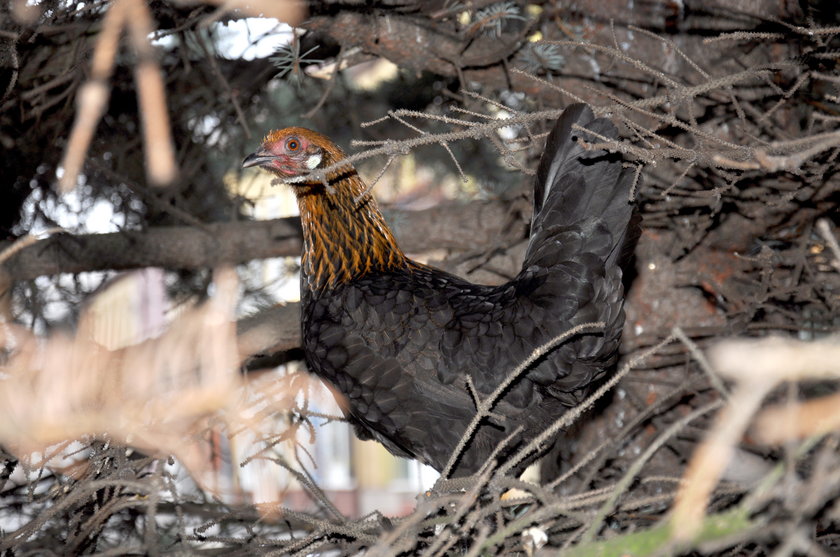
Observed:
{"x":256,"y":159}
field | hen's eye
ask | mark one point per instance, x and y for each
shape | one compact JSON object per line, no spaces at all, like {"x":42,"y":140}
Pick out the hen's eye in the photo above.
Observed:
{"x":292,"y":144}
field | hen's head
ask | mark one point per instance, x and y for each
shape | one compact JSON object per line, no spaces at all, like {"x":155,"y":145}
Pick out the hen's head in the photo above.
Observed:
{"x":293,"y":152}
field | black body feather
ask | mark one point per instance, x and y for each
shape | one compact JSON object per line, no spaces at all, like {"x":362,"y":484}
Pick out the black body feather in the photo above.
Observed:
{"x":399,"y":343}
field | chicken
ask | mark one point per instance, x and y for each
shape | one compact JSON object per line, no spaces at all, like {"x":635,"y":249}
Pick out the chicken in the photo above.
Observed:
{"x":399,"y":338}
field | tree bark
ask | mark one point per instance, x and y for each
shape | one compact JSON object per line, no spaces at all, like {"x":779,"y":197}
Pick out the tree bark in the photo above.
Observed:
{"x":452,"y":226}
{"x":270,"y":331}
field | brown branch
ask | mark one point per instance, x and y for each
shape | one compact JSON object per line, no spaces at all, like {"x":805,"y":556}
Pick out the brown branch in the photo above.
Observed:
{"x":453,"y":226}
{"x":151,"y":95}
{"x":93,"y":96}
{"x":270,"y":331}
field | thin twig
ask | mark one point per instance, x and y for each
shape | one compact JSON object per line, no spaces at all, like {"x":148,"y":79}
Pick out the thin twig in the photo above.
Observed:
{"x":487,"y":404}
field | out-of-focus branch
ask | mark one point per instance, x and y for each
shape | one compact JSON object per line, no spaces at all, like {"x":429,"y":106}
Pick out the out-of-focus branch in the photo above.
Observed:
{"x":63,"y":388}
{"x":92,"y":100}
{"x":157,"y":134}
{"x":758,"y":366}
{"x":288,"y":11}
{"x":270,"y":331}
{"x":93,"y":96}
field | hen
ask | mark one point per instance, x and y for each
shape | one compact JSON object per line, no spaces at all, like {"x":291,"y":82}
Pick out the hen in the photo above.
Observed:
{"x":399,"y":339}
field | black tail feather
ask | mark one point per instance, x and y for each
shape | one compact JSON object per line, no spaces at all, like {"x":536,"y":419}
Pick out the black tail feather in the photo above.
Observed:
{"x":574,"y":185}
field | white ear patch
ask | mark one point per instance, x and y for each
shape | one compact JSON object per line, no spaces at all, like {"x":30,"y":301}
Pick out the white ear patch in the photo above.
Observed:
{"x":313,"y":161}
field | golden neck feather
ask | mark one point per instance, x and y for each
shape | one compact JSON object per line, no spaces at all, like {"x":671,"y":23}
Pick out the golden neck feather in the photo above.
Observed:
{"x":344,"y":233}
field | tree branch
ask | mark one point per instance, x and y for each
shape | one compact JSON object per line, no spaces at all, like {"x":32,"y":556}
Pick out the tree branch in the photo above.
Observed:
{"x":452,"y":226}
{"x":270,"y":331}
